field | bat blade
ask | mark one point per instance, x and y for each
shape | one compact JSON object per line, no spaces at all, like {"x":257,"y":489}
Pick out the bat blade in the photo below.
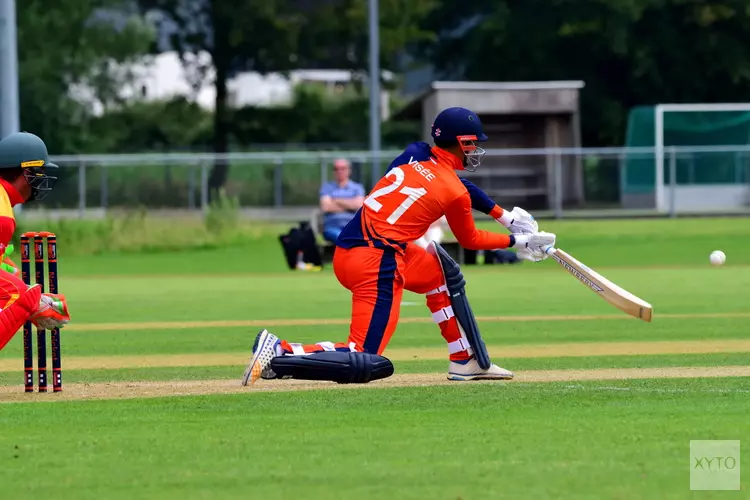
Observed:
{"x":615,"y":295}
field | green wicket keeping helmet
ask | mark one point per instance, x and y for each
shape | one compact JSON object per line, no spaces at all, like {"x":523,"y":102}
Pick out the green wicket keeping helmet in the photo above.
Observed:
{"x":27,"y":151}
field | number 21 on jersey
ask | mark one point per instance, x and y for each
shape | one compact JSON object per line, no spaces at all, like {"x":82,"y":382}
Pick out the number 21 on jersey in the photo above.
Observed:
{"x":412,"y":195}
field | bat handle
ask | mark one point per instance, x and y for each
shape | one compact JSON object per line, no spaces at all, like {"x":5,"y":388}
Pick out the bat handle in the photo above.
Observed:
{"x":550,"y":250}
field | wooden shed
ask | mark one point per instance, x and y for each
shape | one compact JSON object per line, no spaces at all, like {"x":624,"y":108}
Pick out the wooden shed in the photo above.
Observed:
{"x":527,"y":115}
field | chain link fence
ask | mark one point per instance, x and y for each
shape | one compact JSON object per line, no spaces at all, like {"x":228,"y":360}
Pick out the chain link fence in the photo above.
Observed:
{"x":562,"y":182}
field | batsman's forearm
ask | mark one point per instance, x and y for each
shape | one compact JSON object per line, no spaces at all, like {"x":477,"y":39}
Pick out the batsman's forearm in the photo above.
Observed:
{"x":462,"y":225}
{"x":481,"y":202}
{"x":484,"y":240}
{"x":479,"y":199}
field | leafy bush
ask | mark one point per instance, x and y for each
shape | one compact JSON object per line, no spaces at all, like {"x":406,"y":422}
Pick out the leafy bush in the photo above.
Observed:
{"x":222,"y":214}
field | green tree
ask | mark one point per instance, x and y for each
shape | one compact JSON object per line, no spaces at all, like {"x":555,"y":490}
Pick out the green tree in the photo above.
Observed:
{"x":336,"y":32}
{"x":255,"y":35}
{"x":73,"y":44}
{"x":628,"y":52}
{"x":146,"y":126}
{"x":316,"y":117}
{"x":278,"y":36}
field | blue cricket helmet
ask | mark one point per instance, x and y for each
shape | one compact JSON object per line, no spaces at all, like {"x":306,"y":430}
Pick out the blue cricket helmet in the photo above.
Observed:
{"x":460,"y":126}
{"x":452,"y":123}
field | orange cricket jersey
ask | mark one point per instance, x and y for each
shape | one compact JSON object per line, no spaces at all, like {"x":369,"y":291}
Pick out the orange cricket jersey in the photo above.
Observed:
{"x":419,"y":188}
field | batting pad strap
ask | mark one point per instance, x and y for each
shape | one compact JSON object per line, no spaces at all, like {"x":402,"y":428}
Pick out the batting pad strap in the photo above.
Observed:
{"x":443,"y":314}
{"x":298,"y":350}
{"x":437,"y":290}
{"x":459,"y":346}
{"x":327,"y":346}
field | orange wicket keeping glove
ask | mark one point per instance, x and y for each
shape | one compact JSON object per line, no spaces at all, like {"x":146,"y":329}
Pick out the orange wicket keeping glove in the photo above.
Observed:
{"x":52,"y":312}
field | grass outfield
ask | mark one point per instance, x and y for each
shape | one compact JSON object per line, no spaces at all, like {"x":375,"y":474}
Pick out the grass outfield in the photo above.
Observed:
{"x":162,"y":320}
{"x":473,"y":441}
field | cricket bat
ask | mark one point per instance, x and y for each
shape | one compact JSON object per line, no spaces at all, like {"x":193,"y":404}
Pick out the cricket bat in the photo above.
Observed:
{"x":621,"y":299}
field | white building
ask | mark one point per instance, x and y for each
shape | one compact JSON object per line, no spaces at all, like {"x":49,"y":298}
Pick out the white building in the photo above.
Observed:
{"x":163,"y":76}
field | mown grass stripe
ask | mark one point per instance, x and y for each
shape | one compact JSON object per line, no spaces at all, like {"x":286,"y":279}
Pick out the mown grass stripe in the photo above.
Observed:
{"x":130,"y":390}
{"x":571,"y":349}
{"x":258,"y":323}
{"x":422,"y":366}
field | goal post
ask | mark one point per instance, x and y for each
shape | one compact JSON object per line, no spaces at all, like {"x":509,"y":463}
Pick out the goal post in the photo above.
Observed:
{"x":659,"y":147}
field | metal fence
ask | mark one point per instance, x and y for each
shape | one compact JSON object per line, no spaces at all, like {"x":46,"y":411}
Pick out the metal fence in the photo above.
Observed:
{"x":563,"y":182}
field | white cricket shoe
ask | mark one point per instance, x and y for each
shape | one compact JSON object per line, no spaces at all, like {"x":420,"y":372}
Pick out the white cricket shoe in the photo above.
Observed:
{"x":470,"y":370}
{"x":264,"y":350}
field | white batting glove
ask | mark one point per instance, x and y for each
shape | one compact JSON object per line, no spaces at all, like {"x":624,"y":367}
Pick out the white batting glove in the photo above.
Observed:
{"x":519,"y":221}
{"x":532,"y":247}
{"x":531,"y":255}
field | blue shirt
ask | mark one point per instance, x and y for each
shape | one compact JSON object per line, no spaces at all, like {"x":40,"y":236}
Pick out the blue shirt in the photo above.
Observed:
{"x":350,"y":190}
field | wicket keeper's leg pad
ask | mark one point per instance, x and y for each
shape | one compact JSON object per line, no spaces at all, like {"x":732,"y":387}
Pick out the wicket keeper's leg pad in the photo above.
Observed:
{"x":341,"y":367}
{"x":456,"y":285}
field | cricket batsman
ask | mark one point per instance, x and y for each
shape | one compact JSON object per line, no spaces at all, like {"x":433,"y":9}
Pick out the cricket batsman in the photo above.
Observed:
{"x":376,"y":260}
{"x":24,"y":175}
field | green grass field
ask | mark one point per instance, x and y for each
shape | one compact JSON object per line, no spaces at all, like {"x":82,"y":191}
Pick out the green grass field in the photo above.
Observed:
{"x":603,"y":405}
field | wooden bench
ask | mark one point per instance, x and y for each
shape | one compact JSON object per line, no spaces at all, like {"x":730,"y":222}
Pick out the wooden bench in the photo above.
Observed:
{"x":502,"y":172}
{"x":326,"y":247}
{"x":518,"y":183}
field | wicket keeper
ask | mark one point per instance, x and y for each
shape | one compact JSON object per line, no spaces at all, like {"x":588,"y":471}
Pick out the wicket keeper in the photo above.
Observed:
{"x":24,"y":175}
{"x":376,"y":260}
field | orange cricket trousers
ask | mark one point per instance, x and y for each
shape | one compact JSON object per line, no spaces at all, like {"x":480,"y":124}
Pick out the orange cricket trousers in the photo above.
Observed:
{"x":377,"y":278}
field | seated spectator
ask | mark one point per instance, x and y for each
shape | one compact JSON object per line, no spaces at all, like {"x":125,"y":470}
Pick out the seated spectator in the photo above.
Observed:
{"x":339,"y":200}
